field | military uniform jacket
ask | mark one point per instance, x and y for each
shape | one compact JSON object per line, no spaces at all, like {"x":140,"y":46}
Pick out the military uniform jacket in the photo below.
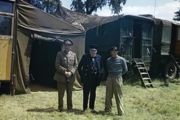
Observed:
{"x":65,"y":62}
{"x":86,"y":71}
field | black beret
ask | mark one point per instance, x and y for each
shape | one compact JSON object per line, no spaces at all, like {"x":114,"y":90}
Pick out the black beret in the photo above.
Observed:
{"x":69,"y":41}
{"x":93,"y":46}
{"x":114,"y":48}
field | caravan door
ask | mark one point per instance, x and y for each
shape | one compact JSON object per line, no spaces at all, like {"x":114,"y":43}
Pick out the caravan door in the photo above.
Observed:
{"x":5,"y":57}
{"x":137,"y":33}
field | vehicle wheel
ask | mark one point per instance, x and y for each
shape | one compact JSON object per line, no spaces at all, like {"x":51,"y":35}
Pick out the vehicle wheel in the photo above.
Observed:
{"x":170,"y":70}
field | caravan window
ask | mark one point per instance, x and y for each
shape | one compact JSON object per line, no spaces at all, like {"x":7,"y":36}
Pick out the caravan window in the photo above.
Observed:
{"x":6,"y":7}
{"x":147,"y":32}
{"x":166,"y":39}
{"x":5,"y":25}
{"x":5,"y":21}
{"x":166,"y":36}
{"x":126,"y":27}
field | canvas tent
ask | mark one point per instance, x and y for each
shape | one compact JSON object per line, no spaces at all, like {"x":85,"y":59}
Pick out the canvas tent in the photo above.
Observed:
{"x":39,"y":37}
{"x":86,"y":21}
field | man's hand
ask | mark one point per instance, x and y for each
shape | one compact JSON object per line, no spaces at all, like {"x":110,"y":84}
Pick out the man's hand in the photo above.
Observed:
{"x":68,"y":74}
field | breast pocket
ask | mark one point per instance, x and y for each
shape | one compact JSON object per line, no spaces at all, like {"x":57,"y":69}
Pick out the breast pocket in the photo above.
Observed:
{"x":63,"y":61}
{"x":71,"y":61}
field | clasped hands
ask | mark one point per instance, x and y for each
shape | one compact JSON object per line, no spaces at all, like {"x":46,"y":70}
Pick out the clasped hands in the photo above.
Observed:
{"x":68,"y":74}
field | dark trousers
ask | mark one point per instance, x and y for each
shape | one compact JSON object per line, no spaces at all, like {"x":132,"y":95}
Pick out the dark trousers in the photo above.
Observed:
{"x":89,"y":90}
{"x":62,"y":87}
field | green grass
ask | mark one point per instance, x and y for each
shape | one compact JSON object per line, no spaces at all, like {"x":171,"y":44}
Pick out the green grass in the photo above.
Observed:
{"x":159,"y":103}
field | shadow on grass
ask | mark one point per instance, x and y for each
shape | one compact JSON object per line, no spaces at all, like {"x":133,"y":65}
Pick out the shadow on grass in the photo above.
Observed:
{"x":80,"y":112}
{"x":103,"y":113}
{"x":37,"y":87}
{"x":49,"y":110}
{"x":77,"y":111}
{"x":42,"y":110}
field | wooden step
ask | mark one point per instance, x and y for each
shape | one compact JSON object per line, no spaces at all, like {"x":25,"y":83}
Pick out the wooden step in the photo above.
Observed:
{"x":140,"y":63}
{"x":144,"y":73}
{"x":141,"y":68}
{"x":146,"y":78}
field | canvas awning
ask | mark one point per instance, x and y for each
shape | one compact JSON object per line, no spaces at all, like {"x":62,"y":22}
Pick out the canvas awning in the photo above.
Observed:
{"x":32,"y":18}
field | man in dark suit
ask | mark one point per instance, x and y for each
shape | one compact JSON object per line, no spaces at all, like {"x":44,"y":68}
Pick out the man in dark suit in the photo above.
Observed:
{"x":90,"y":69}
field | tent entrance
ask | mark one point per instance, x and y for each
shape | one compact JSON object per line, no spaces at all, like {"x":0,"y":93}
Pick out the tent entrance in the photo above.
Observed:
{"x":42,"y":64}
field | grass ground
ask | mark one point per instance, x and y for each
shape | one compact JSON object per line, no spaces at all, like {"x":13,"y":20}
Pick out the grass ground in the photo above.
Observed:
{"x":159,"y":103}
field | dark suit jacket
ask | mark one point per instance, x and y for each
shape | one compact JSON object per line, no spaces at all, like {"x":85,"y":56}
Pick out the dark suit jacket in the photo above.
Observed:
{"x":86,"y":72}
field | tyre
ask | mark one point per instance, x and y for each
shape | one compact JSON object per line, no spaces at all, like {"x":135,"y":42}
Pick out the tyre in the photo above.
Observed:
{"x":170,"y":71}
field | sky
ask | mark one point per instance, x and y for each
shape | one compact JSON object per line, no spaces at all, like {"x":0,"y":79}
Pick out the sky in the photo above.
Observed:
{"x":163,"y":9}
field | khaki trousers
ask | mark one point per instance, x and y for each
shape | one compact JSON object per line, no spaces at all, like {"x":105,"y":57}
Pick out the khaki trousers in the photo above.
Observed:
{"x":114,"y":86}
{"x":62,"y":87}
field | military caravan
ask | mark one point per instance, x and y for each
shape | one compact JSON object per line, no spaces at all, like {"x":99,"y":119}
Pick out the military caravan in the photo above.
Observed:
{"x":156,"y":42}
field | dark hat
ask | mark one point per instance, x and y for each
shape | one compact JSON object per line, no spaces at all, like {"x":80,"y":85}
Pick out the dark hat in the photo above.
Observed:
{"x":68,"y":41}
{"x":93,"y":46}
{"x":114,"y":48}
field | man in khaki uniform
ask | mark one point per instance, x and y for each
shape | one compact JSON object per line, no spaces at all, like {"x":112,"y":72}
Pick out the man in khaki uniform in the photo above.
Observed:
{"x":66,"y":65}
{"x":116,"y":67}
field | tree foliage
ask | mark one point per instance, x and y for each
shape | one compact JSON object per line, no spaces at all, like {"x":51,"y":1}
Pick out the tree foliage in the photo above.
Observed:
{"x":83,"y":6}
{"x":89,"y":6}
{"x":47,"y":5}
{"x":177,"y":15}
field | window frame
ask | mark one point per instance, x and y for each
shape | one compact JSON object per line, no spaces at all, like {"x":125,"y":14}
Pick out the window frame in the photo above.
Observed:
{"x":10,"y":15}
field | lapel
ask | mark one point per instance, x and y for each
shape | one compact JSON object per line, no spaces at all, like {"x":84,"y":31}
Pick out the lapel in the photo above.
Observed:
{"x":88,"y":59}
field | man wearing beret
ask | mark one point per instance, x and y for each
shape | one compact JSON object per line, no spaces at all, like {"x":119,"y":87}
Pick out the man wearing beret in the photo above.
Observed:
{"x":90,"y":69}
{"x":66,"y":65}
{"x":116,"y":66}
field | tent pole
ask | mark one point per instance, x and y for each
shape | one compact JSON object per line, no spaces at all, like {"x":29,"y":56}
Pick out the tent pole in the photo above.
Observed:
{"x":14,"y":42}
